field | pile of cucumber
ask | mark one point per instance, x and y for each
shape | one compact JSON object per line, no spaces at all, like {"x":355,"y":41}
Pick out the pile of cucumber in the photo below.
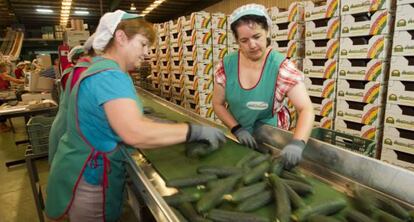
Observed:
{"x":257,"y":180}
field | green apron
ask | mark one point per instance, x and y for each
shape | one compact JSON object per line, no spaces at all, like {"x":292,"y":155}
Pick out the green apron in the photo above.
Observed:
{"x":75,"y":152}
{"x":252,"y":107}
{"x":59,"y":124}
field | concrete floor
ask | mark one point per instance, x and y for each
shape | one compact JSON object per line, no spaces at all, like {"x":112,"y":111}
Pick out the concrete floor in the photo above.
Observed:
{"x":16,"y":198}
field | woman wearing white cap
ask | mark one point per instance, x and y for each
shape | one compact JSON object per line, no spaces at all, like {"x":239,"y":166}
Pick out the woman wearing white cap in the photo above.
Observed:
{"x":254,"y":82}
{"x":87,"y":174}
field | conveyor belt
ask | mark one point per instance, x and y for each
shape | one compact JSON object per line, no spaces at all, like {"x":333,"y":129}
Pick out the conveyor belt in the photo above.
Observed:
{"x":171,"y":162}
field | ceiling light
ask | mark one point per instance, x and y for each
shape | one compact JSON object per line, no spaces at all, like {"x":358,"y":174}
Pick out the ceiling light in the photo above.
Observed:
{"x":65,"y":7}
{"x":67,"y":3}
{"x":82,"y":12}
{"x":65,"y":11}
{"x":132,"y":8}
{"x":43,"y":10}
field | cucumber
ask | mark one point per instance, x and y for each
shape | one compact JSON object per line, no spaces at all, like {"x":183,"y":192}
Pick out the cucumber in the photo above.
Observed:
{"x":299,"y":187}
{"x":199,"y":149}
{"x":321,"y":218}
{"x":383,"y":216}
{"x":246,"y":192}
{"x":364,"y":201}
{"x":411,"y":215}
{"x":178,"y":214}
{"x":231,"y":216}
{"x":392,"y":207}
{"x":191,"y":181}
{"x":276,"y":167}
{"x":255,"y":202}
{"x":291,"y":176}
{"x":257,"y":160}
{"x":215,"y":196}
{"x":256,"y":173}
{"x":325,"y":208}
{"x":282,"y":203}
{"x":295,"y":200}
{"x":356,"y":216}
{"x":219,"y":171}
{"x":178,"y":198}
{"x":244,"y":160}
{"x":189,"y":212}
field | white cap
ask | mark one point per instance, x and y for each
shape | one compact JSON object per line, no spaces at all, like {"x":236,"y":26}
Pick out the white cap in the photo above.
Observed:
{"x":88,"y":44}
{"x":75,"y":51}
{"x":21,"y":63}
{"x":250,"y":9}
{"x":107,"y":26}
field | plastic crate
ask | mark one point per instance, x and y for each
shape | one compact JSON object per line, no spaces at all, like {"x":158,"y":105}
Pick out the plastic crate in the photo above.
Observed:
{"x":357,"y":144}
{"x":38,"y":129}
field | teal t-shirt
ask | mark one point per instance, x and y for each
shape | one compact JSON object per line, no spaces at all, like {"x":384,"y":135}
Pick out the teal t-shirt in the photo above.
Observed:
{"x":93,"y":93}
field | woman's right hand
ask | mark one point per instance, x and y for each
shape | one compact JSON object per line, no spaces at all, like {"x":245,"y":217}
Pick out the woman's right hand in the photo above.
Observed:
{"x":245,"y":138}
{"x":205,"y":133}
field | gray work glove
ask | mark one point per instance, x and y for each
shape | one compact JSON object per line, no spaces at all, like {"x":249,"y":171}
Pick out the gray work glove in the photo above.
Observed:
{"x":205,"y":134}
{"x":292,"y":153}
{"x":244,"y":137}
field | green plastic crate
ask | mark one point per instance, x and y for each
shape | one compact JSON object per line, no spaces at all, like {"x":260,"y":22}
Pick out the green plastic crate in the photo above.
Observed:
{"x":38,"y":129}
{"x":357,"y":144}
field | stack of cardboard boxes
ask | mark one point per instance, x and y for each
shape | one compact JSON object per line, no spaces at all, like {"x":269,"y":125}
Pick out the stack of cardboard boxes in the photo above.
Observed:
{"x":154,"y":55}
{"x":164,"y":60}
{"x":363,"y":67}
{"x":175,"y":64}
{"x":398,"y":142}
{"x":321,"y":58}
{"x":231,"y":40}
{"x":197,"y":62}
{"x":287,"y":37}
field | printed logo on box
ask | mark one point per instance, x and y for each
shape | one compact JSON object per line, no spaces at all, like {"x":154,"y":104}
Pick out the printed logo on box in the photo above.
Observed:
{"x":396,"y":139}
{"x":219,"y":36}
{"x":330,"y":31}
{"x":401,"y":92}
{"x":379,"y":24}
{"x":323,"y":107}
{"x":401,"y":69}
{"x":403,"y":44}
{"x":280,"y":15}
{"x":375,"y":47}
{"x":319,"y":87}
{"x":328,"y":50}
{"x":404,"y":19}
{"x":372,"y":93}
{"x":357,"y":6}
{"x":368,"y":115}
{"x":326,"y":70}
{"x":370,"y":132}
{"x":373,"y":71}
{"x":313,"y":12}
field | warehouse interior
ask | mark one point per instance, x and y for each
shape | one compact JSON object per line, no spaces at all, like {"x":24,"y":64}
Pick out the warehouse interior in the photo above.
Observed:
{"x":332,"y":141}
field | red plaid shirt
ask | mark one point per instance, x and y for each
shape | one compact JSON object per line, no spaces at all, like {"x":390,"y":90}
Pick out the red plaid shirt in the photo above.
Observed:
{"x":287,"y":77}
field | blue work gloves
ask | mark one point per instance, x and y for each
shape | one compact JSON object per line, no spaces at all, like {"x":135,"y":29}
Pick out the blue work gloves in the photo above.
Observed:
{"x":208,"y":134}
{"x":244,"y":136}
{"x":292,"y":153}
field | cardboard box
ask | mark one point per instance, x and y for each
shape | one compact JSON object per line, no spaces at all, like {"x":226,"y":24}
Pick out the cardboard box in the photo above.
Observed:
{"x":362,"y":69}
{"x":190,"y":105}
{"x":294,"y":13}
{"x":219,"y":36}
{"x":197,"y":20}
{"x":219,"y":51}
{"x":403,"y":2}
{"x":207,"y":112}
{"x":322,"y":49}
{"x":401,"y":92}
{"x":177,"y":77}
{"x":200,"y":98}
{"x":233,"y":48}
{"x":403,"y":44}
{"x":371,"y":132}
{"x":165,"y":88}
{"x":198,"y":83}
{"x":177,"y":91}
{"x":196,"y":37}
{"x":320,"y":68}
{"x":289,"y":48}
{"x":164,"y":51}
{"x":404,"y":18}
{"x":357,"y":6}
{"x":378,"y":23}
{"x":320,"y":87}
{"x":176,"y":26}
{"x":323,"y":29}
{"x":163,"y":28}
{"x":175,"y":63}
{"x":323,"y":122}
{"x":175,"y":37}
{"x":361,"y":91}
{"x":365,"y":113}
{"x":398,"y":139}
{"x":178,"y":101}
{"x":218,"y":21}
{"x":373,"y":47}
{"x":399,"y":116}
{"x":156,"y":85}
{"x":401,"y":69}
{"x":175,"y":49}
{"x":197,"y":53}
{"x":155,"y":75}
{"x":398,"y":158}
{"x":231,"y":40}
{"x":74,"y":38}
{"x":327,"y":9}
{"x":288,"y":31}
{"x":323,"y":106}
{"x":165,"y":64}
{"x":163,"y":39}
{"x":203,"y":69}
{"x":166,"y":95}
